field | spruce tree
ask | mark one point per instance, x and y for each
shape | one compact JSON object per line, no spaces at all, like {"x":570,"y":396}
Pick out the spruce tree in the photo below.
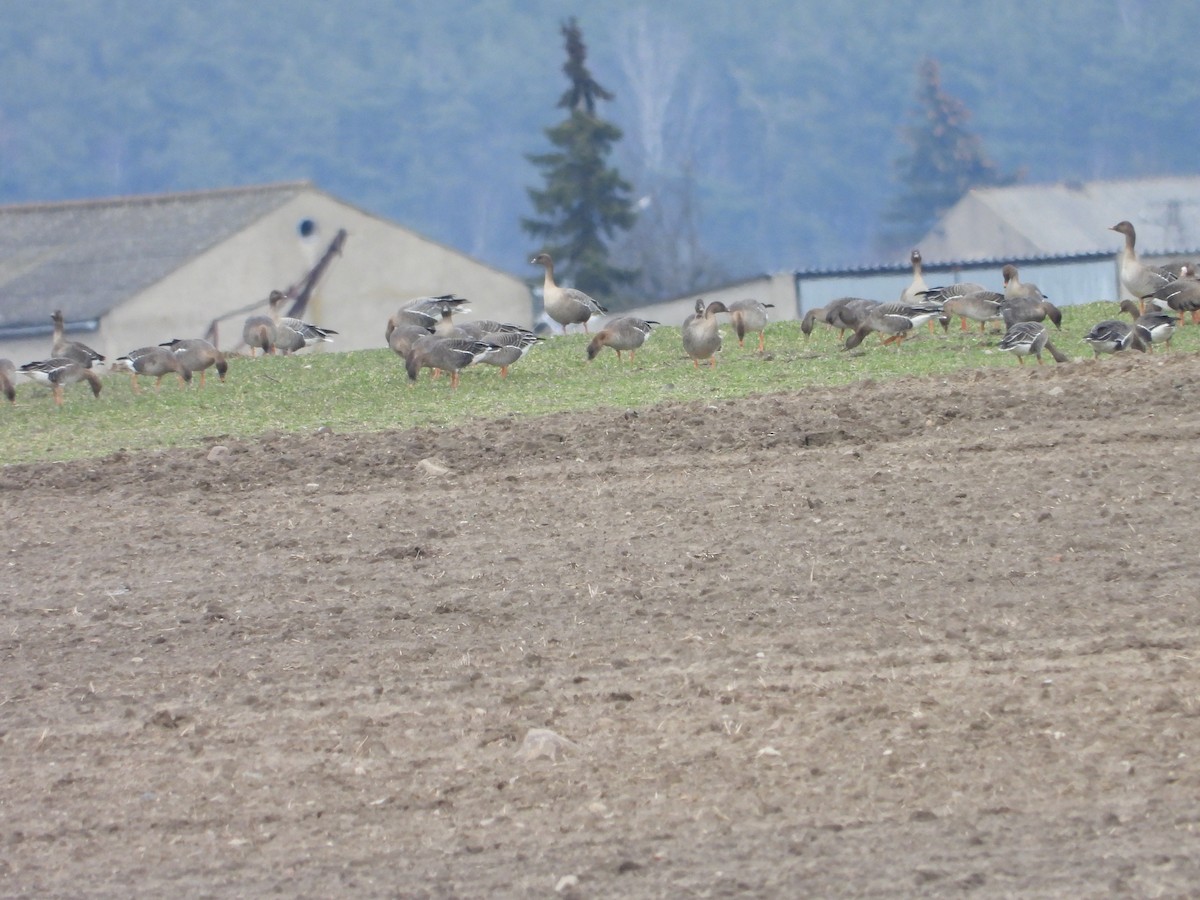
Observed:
{"x":943,"y":162}
{"x":584,"y":202}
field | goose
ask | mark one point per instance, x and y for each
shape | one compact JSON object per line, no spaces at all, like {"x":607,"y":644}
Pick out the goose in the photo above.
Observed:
{"x":749,"y":316}
{"x":844,"y":313}
{"x":401,"y":338}
{"x":426,"y":311}
{"x":8,"y":374}
{"x":61,"y":348}
{"x":621,"y":333}
{"x":701,"y":334}
{"x":566,"y":306}
{"x":917,"y":287}
{"x":154,"y":362}
{"x":945,"y":292}
{"x":444,"y":354}
{"x":198,"y":355}
{"x":1181,"y":295}
{"x":1030,"y":338}
{"x":258,"y":333}
{"x":981,"y":306}
{"x":1025,"y":302}
{"x":1113,"y":336}
{"x":1135,"y":276}
{"x":1154,"y":327}
{"x":511,"y":347}
{"x":293,"y":335}
{"x":895,"y":320}
{"x":58,"y":371}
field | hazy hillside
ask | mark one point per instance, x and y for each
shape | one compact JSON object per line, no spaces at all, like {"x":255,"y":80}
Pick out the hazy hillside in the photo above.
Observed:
{"x":781,"y":117}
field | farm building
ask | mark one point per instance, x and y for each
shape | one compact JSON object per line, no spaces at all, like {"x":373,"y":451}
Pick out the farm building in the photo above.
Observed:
{"x":133,"y":271}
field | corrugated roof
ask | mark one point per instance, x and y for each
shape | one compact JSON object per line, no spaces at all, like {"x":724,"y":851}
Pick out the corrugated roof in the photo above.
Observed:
{"x":1072,"y":218}
{"x":87,"y":256}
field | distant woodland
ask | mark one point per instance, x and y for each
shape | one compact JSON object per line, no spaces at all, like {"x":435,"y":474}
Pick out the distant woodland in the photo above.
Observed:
{"x":758,"y":136}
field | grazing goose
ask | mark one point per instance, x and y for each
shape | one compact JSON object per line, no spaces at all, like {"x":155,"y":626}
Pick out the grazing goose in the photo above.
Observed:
{"x":1181,"y":295}
{"x":621,"y":333}
{"x":1154,"y":327}
{"x":198,"y":355}
{"x":1025,"y":302}
{"x":749,"y":316}
{"x":445,"y":355}
{"x":426,"y":312}
{"x":844,"y":313}
{"x":980,"y":306}
{"x":511,"y":347}
{"x":566,"y":306}
{"x":8,"y":374}
{"x":293,"y":335}
{"x":1030,"y":338}
{"x":259,"y":331}
{"x":60,"y":371}
{"x":1137,"y":277}
{"x":61,"y":348}
{"x":946,"y":292}
{"x":400,"y":338}
{"x":153,"y":362}
{"x":701,"y":334}
{"x":1113,"y":336}
{"x":895,"y":320}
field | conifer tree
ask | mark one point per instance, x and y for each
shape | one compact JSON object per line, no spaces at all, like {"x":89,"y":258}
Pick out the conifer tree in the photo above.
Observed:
{"x":584,"y":202}
{"x":943,"y":162}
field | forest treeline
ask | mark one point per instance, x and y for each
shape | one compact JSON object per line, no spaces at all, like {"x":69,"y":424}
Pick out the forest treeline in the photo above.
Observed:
{"x":757,"y":136}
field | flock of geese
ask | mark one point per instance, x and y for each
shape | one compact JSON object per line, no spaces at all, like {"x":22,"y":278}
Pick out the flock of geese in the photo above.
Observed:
{"x":424,"y":333}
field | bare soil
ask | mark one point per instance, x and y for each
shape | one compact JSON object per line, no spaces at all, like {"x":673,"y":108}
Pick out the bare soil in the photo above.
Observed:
{"x":924,"y":638}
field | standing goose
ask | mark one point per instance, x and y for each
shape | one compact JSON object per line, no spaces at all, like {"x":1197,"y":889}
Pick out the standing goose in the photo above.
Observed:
{"x":1181,"y":295}
{"x":621,"y":333}
{"x":981,"y":306}
{"x":1154,"y":327}
{"x":1137,"y":277}
{"x":1030,"y":338}
{"x":425,"y":312}
{"x":198,"y":355}
{"x":917,"y":287}
{"x":401,"y":338}
{"x":293,"y":335}
{"x":59,"y":371}
{"x":61,"y":348}
{"x":566,"y":306}
{"x":701,"y":334}
{"x":749,"y":316}
{"x":444,"y":354}
{"x":511,"y":347}
{"x":1113,"y":336}
{"x":8,"y":374}
{"x":895,"y":320}
{"x":153,"y":362}
{"x":259,"y":331}
{"x":1025,"y":302}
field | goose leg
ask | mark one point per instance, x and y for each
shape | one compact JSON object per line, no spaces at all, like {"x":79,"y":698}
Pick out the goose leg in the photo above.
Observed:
{"x":762,"y":341}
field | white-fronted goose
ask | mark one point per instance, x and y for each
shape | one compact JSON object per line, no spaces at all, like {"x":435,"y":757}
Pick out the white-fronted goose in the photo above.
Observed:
{"x":1029,"y":338}
{"x":750,"y":316}
{"x":621,"y":333}
{"x":198,"y":355}
{"x":1025,"y":302}
{"x":1155,"y":327}
{"x":1137,"y":277}
{"x":8,"y":377}
{"x":59,"y":371}
{"x":61,"y":348}
{"x":702,"y":334}
{"x":153,"y":362}
{"x":445,"y":355}
{"x":566,"y":306}
{"x":1113,"y":336}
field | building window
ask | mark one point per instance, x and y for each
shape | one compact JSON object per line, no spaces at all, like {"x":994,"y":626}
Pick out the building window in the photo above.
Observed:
{"x":306,"y":228}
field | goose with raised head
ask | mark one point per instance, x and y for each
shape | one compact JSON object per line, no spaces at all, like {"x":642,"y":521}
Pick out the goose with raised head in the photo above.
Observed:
{"x":198,"y":355}
{"x":749,"y":316}
{"x":153,"y":362}
{"x":59,"y":371}
{"x":8,"y":379}
{"x":1154,"y":327}
{"x":61,"y":348}
{"x":702,"y":334}
{"x":624,"y":333}
{"x":566,"y":306}
{"x":1137,"y":277}
{"x":1029,"y":339}
{"x":1025,"y":302}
